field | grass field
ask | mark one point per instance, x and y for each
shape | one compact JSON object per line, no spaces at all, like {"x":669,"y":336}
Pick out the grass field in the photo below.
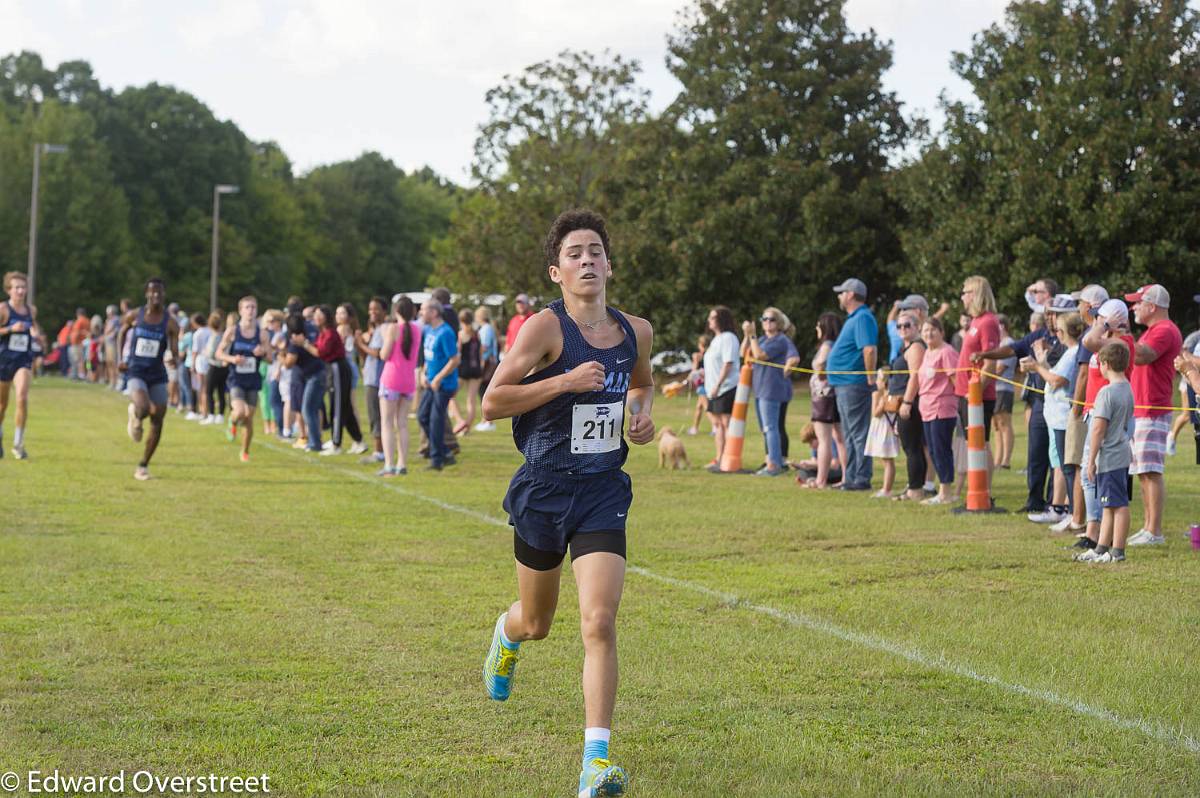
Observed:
{"x":299,"y":618}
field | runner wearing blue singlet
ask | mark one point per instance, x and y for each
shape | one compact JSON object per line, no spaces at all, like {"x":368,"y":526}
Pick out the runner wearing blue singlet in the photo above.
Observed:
{"x":242,"y":347}
{"x":19,"y":336}
{"x":576,"y":369}
{"x":152,"y":331}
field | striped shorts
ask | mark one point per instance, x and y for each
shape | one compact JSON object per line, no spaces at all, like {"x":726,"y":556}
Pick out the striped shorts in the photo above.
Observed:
{"x":1150,"y":444}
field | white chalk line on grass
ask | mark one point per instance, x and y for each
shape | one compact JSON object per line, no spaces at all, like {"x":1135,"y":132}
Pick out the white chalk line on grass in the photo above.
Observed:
{"x":1153,"y":729}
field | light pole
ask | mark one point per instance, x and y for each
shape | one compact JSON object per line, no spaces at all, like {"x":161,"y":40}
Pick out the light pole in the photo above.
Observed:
{"x":218,"y":190}
{"x":38,"y":149}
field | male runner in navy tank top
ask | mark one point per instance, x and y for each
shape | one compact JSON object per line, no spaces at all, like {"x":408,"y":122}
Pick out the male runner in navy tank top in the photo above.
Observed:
{"x":18,"y":336}
{"x":567,"y":383}
{"x":243,"y":346}
{"x":151,"y":331}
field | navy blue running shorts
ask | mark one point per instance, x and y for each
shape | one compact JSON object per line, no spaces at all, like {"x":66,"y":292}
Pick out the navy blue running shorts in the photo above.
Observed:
{"x":1112,"y":488}
{"x":10,"y":365}
{"x":550,"y":513}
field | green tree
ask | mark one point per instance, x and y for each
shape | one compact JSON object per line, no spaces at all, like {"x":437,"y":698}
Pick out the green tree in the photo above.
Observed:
{"x":551,"y":134}
{"x":764,"y":185}
{"x":1077,"y":159}
{"x":84,"y":245}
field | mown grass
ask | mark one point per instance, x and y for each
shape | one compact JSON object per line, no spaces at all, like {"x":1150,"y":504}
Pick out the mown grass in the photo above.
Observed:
{"x":297,"y":618}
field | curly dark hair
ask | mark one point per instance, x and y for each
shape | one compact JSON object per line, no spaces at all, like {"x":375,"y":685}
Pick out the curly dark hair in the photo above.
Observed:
{"x":570,"y":221}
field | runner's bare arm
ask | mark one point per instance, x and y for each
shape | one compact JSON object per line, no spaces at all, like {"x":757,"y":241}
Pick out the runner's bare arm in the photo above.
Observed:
{"x":222,"y":353}
{"x":127,"y":323}
{"x":641,"y":384}
{"x":173,"y":338}
{"x":506,"y":397}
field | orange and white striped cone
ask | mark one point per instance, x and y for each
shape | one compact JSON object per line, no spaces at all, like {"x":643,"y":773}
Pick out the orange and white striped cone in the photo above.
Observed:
{"x":735,"y":436}
{"x":979,"y":499}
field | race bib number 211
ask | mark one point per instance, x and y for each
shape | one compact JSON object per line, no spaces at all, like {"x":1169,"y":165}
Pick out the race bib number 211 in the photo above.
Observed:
{"x":597,"y":428}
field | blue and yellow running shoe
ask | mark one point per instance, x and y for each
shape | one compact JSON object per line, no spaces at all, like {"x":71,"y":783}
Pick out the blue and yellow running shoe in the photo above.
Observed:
{"x":499,"y":665}
{"x":602,"y":778}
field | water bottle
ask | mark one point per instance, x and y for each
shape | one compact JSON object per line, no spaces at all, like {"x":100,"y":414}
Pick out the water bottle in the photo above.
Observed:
{"x":1195,"y":537}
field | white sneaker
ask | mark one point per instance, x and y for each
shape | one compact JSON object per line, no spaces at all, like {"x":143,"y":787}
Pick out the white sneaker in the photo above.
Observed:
{"x":134,"y":427}
{"x":1087,"y":556}
{"x":1145,"y":537}
{"x":1102,"y":558}
{"x":204,"y":422}
{"x":219,"y":419}
{"x":191,"y":416}
{"x":326,"y":446}
{"x":1067,"y":525}
{"x":929,"y":487}
{"x":1048,"y":516}
{"x":1172,"y":446}
{"x":485,"y":426}
{"x":331,"y":452}
{"x":358,"y":448}
{"x":692,"y":430}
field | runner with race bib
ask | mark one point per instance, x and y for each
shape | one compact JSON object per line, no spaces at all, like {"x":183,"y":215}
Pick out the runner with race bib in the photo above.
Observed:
{"x":575,"y":371}
{"x":152,"y":332}
{"x":18,"y":340}
{"x":242,"y":347}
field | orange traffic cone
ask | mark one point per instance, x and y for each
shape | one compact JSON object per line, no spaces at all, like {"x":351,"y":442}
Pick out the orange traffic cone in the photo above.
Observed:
{"x":735,"y":437}
{"x":979,"y":499}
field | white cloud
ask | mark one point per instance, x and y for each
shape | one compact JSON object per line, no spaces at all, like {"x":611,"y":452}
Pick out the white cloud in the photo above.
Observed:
{"x":227,"y":19}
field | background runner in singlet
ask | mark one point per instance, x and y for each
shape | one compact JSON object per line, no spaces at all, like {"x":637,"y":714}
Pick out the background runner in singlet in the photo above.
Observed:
{"x":18,"y":336}
{"x":242,"y":346}
{"x":152,"y":332}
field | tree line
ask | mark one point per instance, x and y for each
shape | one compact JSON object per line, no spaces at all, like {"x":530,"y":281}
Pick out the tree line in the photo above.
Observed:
{"x":781,"y":167}
{"x":132,"y":197}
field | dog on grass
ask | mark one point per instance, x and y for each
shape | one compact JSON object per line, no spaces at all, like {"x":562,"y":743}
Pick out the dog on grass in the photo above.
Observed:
{"x":670,"y":449}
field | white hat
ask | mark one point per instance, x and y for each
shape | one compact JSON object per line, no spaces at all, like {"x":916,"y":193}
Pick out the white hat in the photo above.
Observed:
{"x":1115,"y":311}
{"x":1093,"y":294}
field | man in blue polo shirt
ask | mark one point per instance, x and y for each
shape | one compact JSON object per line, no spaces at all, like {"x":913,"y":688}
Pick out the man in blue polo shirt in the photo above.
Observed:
{"x":854,"y":350}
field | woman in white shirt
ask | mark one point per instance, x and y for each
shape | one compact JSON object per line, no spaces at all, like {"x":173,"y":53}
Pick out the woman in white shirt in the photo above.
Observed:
{"x":722,"y":365}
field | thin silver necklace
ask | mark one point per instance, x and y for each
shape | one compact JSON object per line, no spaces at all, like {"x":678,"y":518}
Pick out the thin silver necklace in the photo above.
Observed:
{"x":591,"y":325}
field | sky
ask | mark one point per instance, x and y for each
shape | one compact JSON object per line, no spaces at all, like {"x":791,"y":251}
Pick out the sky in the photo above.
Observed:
{"x":331,"y":79}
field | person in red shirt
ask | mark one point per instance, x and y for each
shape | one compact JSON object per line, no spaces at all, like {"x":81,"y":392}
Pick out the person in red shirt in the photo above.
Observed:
{"x":1153,"y":389}
{"x":983,"y":335}
{"x":524,"y":312}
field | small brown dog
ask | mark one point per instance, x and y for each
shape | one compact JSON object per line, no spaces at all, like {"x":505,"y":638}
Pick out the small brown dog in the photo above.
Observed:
{"x":671,"y":448}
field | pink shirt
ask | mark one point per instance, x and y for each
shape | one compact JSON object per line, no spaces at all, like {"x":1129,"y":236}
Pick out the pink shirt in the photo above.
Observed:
{"x":400,"y":372}
{"x":982,"y":336}
{"x":1153,"y":383}
{"x":936,"y":388}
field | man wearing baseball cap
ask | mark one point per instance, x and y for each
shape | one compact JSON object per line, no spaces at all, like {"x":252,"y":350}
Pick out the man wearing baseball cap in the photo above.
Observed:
{"x":854,"y":350}
{"x":524,"y":310}
{"x":1153,"y":383}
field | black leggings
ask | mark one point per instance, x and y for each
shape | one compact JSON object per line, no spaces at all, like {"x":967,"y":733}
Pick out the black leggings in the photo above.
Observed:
{"x":214,"y":381}
{"x":912,"y":438}
{"x":341,"y":404}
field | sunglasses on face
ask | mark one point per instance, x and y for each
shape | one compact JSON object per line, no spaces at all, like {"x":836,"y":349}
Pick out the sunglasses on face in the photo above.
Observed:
{"x":904,"y":326}
{"x":767,"y":318}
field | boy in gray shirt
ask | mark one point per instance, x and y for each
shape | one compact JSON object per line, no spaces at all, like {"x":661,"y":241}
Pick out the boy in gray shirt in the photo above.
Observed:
{"x":1109,"y":455}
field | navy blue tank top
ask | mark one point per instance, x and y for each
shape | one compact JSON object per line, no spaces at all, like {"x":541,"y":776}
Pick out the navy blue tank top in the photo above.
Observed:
{"x":245,"y":376}
{"x":580,"y":433}
{"x":17,"y":346}
{"x":147,"y":347}
{"x":897,"y":381}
